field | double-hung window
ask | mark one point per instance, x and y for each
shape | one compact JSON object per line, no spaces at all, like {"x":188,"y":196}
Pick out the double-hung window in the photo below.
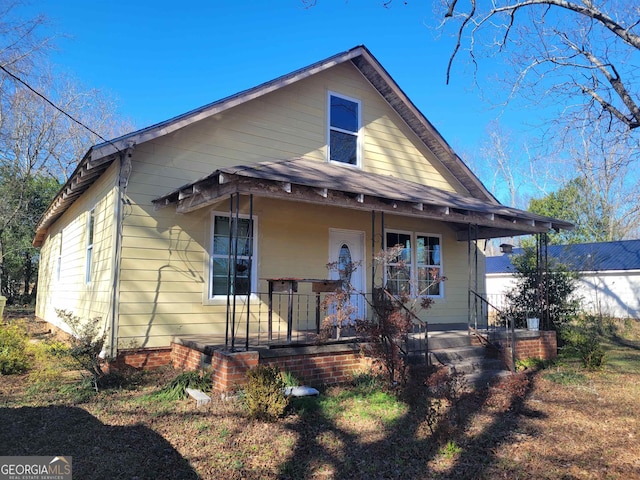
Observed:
{"x":59,"y":259}
{"x":344,"y":129}
{"x":416,"y":266}
{"x":231,"y":256}
{"x":91,"y":224}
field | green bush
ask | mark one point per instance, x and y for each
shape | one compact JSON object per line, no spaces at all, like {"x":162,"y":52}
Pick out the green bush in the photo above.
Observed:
{"x":289,"y":379}
{"x":531,"y":363}
{"x":553,"y":292}
{"x":13,"y":350}
{"x":583,"y":340}
{"x":264,"y":393}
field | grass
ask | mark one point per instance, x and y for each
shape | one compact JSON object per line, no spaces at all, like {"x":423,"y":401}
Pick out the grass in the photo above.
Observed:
{"x":572,"y":424}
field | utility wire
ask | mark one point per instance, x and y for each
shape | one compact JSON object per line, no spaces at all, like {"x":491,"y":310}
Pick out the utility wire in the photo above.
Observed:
{"x":58,"y":108}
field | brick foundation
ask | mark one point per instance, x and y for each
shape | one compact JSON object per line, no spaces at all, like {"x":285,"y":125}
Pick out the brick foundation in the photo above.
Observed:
{"x":322,"y":368}
{"x":541,"y":344}
{"x":185,"y":358}
{"x":311,"y":365}
{"x":229,"y":368}
{"x":148,"y":358}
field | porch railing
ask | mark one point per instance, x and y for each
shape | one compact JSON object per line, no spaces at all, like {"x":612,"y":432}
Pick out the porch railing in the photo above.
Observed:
{"x":284,"y":318}
{"x":488,"y":318}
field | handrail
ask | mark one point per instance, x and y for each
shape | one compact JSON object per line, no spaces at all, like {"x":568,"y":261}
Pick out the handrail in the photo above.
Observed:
{"x":484,"y":300}
{"x":509,"y":324}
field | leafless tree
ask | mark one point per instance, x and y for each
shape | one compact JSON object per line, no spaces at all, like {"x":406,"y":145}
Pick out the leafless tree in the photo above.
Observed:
{"x":610,"y":177}
{"x":573,"y":49}
{"x":20,"y":41}
{"x":47,"y":120}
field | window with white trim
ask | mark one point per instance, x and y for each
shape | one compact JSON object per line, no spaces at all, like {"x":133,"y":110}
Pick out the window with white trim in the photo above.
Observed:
{"x":344,"y":129}
{"x":59,"y":259}
{"x":227,"y":238}
{"x":91,"y":224}
{"x":417,"y":266}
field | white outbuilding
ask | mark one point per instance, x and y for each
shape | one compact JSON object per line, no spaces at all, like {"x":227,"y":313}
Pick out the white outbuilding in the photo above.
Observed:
{"x":609,"y":275}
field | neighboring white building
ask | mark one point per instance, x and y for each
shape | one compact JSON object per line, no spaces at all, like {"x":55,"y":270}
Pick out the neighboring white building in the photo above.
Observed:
{"x":609,"y":272}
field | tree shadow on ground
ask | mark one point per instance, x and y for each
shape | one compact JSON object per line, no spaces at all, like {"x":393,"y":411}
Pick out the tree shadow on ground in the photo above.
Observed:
{"x":623,"y":342}
{"x":98,"y":451}
{"x":405,"y":448}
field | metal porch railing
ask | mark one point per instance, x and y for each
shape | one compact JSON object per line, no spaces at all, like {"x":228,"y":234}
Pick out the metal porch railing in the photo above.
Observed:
{"x":487,"y":318}
{"x":285,"y":318}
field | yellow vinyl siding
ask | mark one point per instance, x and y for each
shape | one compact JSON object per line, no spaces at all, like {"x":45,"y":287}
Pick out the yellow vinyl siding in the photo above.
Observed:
{"x":162,"y":250}
{"x":162,"y":291}
{"x":71,"y":292}
{"x":164,"y":258}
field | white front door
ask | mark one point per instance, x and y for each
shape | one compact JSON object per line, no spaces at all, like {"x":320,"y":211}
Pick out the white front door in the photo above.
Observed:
{"x":347,"y":247}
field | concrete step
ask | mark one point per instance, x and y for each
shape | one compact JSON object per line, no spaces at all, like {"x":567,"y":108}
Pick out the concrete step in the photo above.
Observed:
{"x":475,"y":365}
{"x":454,"y":350}
{"x":442,"y":340}
{"x":458,"y":354}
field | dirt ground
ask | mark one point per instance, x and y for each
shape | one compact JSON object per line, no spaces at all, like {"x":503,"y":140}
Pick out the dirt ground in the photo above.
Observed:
{"x":562,"y":422}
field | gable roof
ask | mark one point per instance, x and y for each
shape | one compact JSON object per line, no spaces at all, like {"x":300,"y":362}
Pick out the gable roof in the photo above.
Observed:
{"x":99,"y":157}
{"x":622,"y":255}
{"x":372,"y":71}
{"x":311,"y":181}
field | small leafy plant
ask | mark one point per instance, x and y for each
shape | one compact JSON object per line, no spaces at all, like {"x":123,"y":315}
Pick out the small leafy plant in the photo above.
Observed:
{"x":264,"y":393}
{"x":13,"y":350}
{"x":451,"y":449}
{"x":176,"y":389}
{"x":583,"y":340}
{"x":530,"y":363}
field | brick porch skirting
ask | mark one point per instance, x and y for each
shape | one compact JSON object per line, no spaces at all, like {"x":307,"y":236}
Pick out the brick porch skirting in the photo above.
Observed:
{"x":312,"y":365}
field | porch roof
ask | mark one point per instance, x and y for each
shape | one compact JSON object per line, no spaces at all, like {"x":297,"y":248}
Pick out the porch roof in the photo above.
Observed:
{"x":313,"y":181}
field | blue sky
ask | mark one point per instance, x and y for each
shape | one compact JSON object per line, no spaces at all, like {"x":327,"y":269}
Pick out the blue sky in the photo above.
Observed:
{"x":161,"y":58}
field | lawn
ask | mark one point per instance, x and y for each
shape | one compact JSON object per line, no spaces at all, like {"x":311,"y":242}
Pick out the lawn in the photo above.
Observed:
{"x":562,"y":422}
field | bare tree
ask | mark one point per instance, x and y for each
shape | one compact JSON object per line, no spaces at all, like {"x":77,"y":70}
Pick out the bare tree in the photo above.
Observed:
{"x":511,"y":166}
{"x":608,"y":171}
{"x":558,"y":48}
{"x":20,"y":41}
{"x":44,"y":125}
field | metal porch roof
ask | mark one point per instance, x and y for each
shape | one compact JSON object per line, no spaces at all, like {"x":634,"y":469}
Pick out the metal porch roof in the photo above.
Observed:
{"x":622,"y":255}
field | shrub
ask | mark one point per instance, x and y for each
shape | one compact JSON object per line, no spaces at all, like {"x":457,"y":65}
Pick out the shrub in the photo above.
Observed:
{"x":87,"y":344}
{"x":531,"y":363}
{"x":536,"y":291}
{"x":13,"y":345}
{"x":447,"y":390}
{"x":394,"y":311}
{"x":289,"y":379}
{"x":51,"y":358}
{"x":582,"y":340}
{"x":264,"y":393}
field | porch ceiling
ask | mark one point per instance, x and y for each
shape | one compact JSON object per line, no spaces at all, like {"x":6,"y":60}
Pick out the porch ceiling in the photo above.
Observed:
{"x":312,"y":181}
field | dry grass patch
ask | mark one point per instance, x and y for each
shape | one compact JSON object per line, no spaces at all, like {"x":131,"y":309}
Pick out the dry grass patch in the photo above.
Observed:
{"x":559,"y":423}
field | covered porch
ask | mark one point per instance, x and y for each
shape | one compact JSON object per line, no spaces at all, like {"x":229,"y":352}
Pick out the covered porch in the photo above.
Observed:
{"x":291,"y":309}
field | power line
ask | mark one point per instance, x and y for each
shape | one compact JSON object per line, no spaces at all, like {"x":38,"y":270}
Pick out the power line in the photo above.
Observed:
{"x":58,"y":108}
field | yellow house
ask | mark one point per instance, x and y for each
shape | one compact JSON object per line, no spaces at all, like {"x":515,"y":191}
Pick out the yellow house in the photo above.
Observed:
{"x":222,"y":221}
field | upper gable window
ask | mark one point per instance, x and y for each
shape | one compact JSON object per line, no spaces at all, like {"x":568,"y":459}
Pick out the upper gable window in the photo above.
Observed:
{"x":344,"y":127}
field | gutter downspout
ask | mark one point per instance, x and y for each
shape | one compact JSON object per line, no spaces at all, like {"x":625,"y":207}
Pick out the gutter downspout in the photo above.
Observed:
{"x":124,"y":170}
